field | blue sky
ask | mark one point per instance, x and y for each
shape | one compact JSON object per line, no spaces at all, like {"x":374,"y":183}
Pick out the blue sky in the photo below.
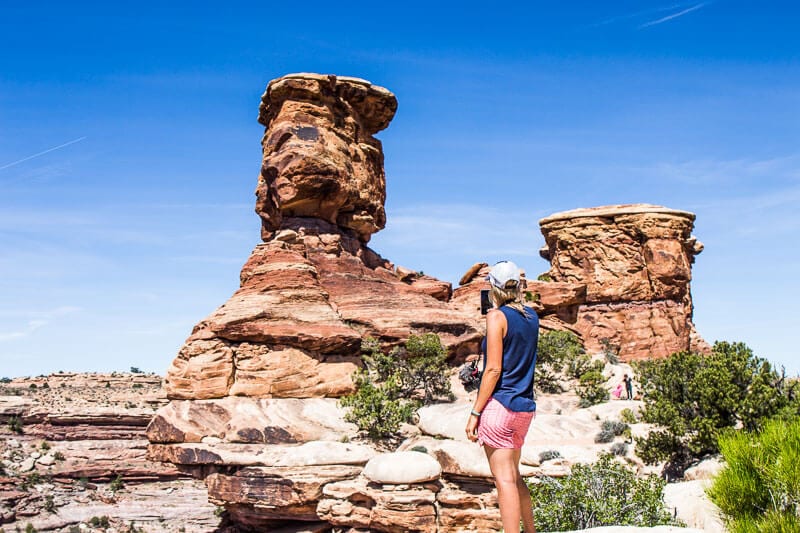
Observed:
{"x":129,"y":151}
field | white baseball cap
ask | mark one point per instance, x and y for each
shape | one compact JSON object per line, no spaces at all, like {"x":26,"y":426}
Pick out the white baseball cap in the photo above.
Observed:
{"x":503,"y":272}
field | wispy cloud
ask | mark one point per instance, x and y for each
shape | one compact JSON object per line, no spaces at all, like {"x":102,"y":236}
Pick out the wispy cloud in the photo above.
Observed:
{"x":710,"y":171}
{"x":673,"y":16}
{"x":637,"y":14}
{"x":43,"y":152}
{"x":36,"y":320}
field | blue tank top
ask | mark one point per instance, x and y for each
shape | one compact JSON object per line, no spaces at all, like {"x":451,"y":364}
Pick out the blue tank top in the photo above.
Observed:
{"x":514,"y":389}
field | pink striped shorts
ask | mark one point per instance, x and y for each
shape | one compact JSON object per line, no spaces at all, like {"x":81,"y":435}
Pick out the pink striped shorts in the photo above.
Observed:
{"x":501,"y":428}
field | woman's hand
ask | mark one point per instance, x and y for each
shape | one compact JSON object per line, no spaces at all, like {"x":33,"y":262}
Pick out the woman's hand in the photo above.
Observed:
{"x":472,"y":428}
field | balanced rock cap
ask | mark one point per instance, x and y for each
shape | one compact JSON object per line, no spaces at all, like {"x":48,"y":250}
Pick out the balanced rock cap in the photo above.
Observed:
{"x":503,"y":272}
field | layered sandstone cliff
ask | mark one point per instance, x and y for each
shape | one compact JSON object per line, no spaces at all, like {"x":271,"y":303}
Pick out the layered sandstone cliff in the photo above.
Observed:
{"x":627,"y":270}
{"x":313,"y":289}
{"x":253,"y":409}
{"x":252,"y":389}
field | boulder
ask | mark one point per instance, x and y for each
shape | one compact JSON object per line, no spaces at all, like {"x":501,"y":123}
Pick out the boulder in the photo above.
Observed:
{"x":402,"y":468}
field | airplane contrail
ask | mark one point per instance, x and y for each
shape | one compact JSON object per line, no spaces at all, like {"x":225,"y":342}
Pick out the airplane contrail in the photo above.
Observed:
{"x":53,"y":149}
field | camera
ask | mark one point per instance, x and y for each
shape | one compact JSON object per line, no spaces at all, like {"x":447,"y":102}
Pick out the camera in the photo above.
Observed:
{"x":486,"y":303}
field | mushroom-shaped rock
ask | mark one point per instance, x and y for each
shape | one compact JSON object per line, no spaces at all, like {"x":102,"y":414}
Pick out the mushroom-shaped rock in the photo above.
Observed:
{"x":402,"y":468}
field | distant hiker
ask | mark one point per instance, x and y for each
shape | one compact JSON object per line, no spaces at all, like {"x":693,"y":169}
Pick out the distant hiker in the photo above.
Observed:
{"x":628,"y":386}
{"x":617,"y":392}
{"x":505,"y":406}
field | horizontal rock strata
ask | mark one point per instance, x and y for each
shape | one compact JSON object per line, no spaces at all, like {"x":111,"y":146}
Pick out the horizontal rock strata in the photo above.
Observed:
{"x":622,"y":275}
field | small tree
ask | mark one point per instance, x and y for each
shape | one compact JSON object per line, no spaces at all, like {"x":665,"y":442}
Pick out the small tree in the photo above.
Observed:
{"x":377,"y":408}
{"x":591,"y":390}
{"x":694,"y":397}
{"x":555,"y":348}
{"x":392,"y":386}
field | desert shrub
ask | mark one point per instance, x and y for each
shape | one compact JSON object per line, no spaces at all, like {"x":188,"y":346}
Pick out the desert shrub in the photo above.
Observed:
{"x":377,"y":409}
{"x":423,"y":367}
{"x":44,"y":446}
{"x":420,"y":367}
{"x":58,"y":456}
{"x":387,"y":387}
{"x":604,"y":436}
{"x":614,"y":426}
{"x":533,"y":297}
{"x":5,"y":380}
{"x":580,"y":365}
{"x":29,"y":528}
{"x":619,"y":449}
{"x":135,"y":370}
{"x":759,"y":487}
{"x":558,"y":347}
{"x":99,"y":521}
{"x":547,"y":381}
{"x":694,"y":397}
{"x":49,"y":504}
{"x":15,"y":424}
{"x":116,"y":484}
{"x":544,"y":277}
{"x":549,"y":455}
{"x":601,"y":494}
{"x":420,"y":449}
{"x":591,"y":390}
{"x":628,"y":416}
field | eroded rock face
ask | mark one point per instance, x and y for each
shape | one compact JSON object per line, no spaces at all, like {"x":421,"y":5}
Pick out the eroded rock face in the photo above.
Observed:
{"x":264,"y":368}
{"x":320,"y":157}
{"x":622,"y":273}
{"x":313,"y":290}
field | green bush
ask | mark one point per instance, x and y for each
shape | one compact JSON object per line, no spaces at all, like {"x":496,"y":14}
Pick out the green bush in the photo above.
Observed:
{"x":15,"y":424}
{"x":758,"y":490}
{"x":549,"y":455}
{"x":694,"y":397}
{"x":628,"y":416}
{"x":393,"y":385}
{"x":604,"y":436}
{"x":556,"y":348}
{"x":377,"y":409}
{"x":614,"y":426}
{"x":619,"y":449}
{"x":420,"y":367}
{"x":547,"y":381}
{"x":544,"y":277}
{"x":580,"y":365}
{"x":423,"y":367}
{"x":591,"y":390}
{"x":116,"y":484}
{"x":605,"y":493}
{"x":99,"y":521}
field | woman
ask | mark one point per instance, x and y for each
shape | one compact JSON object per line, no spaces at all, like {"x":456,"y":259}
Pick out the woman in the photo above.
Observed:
{"x":504,"y":407}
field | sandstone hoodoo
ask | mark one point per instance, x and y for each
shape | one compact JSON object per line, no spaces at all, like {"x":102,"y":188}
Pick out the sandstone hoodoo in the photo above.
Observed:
{"x":624,"y":274}
{"x":264,"y":369}
{"x":313,"y":289}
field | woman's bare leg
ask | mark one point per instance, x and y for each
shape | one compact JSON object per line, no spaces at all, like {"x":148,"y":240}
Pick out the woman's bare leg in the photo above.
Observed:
{"x":512,"y":494}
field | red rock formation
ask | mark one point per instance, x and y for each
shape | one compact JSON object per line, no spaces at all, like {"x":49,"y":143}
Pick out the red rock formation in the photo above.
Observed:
{"x":260,"y":371}
{"x":308,"y":296}
{"x":621,"y":274}
{"x":313,"y":289}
